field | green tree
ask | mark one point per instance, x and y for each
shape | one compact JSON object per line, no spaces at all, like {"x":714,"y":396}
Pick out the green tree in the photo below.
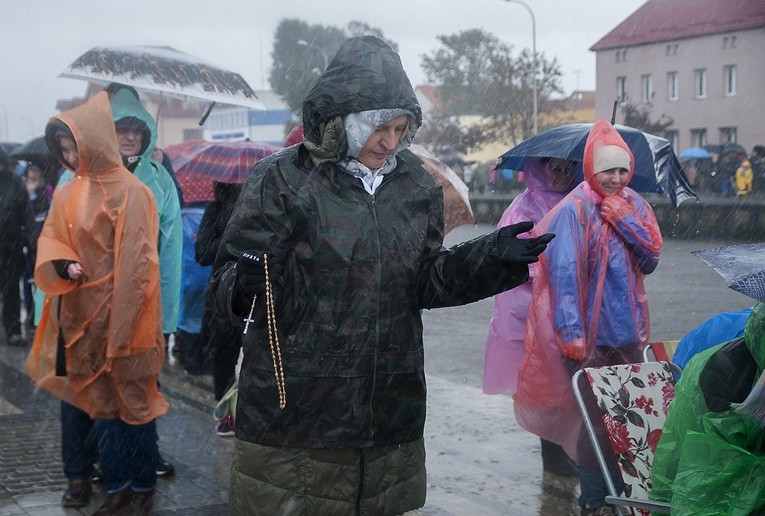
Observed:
{"x":477,"y":74}
{"x":299,"y":55}
{"x":296,"y":66}
{"x":357,"y":29}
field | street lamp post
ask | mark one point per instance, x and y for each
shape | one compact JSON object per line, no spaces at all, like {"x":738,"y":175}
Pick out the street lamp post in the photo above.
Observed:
{"x":534,"y":52}
{"x":5,"y":122}
{"x":304,"y":43}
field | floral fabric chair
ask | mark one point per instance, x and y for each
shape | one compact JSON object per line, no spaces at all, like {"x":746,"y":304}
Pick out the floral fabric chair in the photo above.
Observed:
{"x":633,"y":401}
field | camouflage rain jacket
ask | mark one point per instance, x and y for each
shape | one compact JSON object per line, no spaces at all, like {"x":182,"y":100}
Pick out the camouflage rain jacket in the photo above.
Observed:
{"x":355,"y":271}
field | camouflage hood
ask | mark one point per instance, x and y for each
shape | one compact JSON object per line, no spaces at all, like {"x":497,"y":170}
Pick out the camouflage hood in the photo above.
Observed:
{"x":365,"y":74}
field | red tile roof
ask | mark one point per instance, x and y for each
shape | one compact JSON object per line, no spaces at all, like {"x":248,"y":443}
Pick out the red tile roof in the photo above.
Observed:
{"x":431,"y":92}
{"x":667,"y":20}
{"x":579,"y":99}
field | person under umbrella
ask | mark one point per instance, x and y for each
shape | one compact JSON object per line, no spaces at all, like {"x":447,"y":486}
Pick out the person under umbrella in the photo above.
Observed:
{"x":588,"y":305}
{"x":548,"y":180}
{"x":218,"y":334}
{"x":334,"y":247}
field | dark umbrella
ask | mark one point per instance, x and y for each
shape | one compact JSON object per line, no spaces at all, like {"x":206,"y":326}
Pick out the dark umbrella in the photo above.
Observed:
{"x":33,"y":150}
{"x":657,"y":169}
{"x":198,"y":164}
{"x":742,"y":266}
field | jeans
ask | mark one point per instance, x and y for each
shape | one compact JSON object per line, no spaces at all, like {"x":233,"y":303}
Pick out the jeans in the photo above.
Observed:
{"x":128,"y":454}
{"x":79,"y":448}
{"x":593,"y":487}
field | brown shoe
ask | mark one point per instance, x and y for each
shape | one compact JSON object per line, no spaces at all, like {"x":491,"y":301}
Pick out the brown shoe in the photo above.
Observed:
{"x":77,"y":494}
{"x":117,"y":504}
{"x":142,"y":503}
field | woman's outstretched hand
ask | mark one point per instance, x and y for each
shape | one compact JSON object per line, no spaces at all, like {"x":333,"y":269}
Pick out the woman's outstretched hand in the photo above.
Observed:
{"x":512,"y":249}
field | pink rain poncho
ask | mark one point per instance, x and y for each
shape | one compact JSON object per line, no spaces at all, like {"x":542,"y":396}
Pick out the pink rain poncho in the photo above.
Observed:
{"x":589,"y":306}
{"x":504,"y":343}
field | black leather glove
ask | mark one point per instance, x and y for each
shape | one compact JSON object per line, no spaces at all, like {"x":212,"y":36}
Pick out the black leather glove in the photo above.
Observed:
{"x":512,"y":249}
{"x":251,"y":275}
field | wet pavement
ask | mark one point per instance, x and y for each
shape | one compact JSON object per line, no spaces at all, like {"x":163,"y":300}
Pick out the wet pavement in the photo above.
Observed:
{"x":478,"y":460}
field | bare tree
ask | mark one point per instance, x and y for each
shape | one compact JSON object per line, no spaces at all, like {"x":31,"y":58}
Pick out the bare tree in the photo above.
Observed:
{"x":477,"y":74}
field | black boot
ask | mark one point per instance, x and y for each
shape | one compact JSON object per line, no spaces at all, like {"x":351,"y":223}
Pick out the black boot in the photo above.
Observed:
{"x":164,"y":468}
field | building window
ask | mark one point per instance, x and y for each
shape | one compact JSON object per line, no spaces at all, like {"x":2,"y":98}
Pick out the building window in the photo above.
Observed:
{"x":728,"y":135}
{"x":674,"y":138}
{"x":698,"y":137}
{"x":700,"y":83}
{"x":621,"y":89}
{"x":672,"y":89}
{"x":730,"y":80}
{"x":672,"y":50}
{"x":646,"y":88}
{"x":725,"y":41}
{"x":733,"y":42}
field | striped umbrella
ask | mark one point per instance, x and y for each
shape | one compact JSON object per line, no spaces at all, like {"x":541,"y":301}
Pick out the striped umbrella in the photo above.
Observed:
{"x":198,"y":164}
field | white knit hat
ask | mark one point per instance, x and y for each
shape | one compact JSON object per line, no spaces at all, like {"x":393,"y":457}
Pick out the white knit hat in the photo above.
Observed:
{"x":608,"y":157}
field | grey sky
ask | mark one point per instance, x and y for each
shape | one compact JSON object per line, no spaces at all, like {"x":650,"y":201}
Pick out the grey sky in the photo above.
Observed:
{"x":41,"y":37}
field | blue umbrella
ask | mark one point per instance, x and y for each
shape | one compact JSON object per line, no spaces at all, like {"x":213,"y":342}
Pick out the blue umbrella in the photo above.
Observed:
{"x":657,"y":169}
{"x":694,"y":153}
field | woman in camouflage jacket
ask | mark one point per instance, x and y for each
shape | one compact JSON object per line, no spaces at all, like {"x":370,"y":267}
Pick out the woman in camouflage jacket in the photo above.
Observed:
{"x":353,"y":230}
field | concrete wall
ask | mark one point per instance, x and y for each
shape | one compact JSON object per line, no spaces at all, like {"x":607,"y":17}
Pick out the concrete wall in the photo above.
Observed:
{"x":726,"y":219}
{"x":742,"y":110}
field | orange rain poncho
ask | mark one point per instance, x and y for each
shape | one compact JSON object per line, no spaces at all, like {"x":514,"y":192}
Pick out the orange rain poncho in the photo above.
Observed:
{"x":106,"y":220}
{"x":589,"y":305}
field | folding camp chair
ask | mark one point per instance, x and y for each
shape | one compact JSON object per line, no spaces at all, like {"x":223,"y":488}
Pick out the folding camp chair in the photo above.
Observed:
{"x":633,"y":401}
{"x":661,"y":351}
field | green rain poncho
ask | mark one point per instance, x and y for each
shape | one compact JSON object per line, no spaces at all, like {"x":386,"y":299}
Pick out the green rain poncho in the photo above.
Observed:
{"x":158,"y":179}
{"x":712,"y":462}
